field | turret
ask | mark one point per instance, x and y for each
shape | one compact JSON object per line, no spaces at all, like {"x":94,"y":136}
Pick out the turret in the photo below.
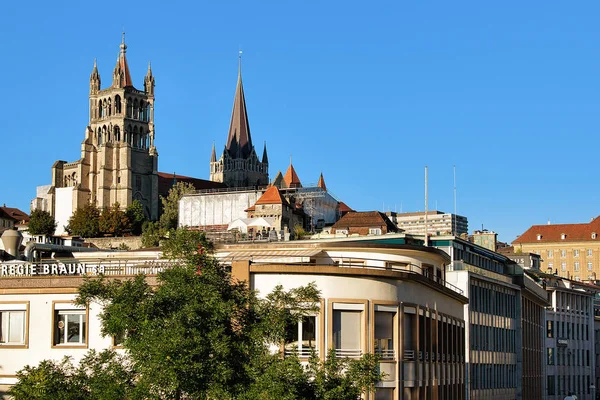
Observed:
{"x":94,"y":79}
{"x":121,"y":75}
{"x":149,"y":81}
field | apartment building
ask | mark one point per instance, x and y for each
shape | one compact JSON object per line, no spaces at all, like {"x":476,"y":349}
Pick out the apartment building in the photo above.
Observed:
{"x":438,"y":222}
{"x":384,"y":298}
{"x":567,"y":250}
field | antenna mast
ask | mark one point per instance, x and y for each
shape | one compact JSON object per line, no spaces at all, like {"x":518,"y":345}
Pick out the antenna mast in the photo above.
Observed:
{"x":426,"y":201}
{"x":455,"y":216}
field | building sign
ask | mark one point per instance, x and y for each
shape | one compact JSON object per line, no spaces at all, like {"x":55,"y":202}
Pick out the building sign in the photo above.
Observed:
{"x":79,"y":269}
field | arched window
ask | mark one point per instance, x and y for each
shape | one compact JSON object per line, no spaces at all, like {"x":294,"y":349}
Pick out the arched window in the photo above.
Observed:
{"x":109,"y":107}
{"x":136,"y":110}
{"x":99,"y":137}
{"x":129,"y":108}
{"x":147,"y":112}
{"x":136,"y":138}
{"x":104,"y":108}
{"x":117,"y":104}
{"x":142,"y":109}
{"x":117,"y":134}
{"x":99,"y":110}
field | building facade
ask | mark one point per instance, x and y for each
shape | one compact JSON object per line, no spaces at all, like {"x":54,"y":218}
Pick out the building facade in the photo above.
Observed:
{"x":438,"y":223}
{"x":375,"y":299}
{"x":119,"y":159}
{"x":567,"y":250}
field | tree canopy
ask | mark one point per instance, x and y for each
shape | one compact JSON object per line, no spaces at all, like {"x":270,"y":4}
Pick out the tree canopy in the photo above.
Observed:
{"x":170,"y":204}
{"x":41,"y":223}
{"x":113,"y":221}
{"x":85,"y":221}
{"x":201,"y":334}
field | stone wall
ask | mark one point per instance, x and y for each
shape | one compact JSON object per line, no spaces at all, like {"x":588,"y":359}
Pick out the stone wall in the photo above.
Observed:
{"x":132,"y":242}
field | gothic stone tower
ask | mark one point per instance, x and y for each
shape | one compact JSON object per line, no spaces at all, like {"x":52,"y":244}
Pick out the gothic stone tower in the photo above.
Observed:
{"x":118,"y":158}
{"x":239,"y":166}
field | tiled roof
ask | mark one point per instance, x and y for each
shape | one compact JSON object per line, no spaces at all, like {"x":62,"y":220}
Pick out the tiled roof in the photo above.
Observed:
{"x":356,"y":219}
{"x":167,"y":180}
{"x":344,"y":207}
{"x":278,"y":181}
{"x":321,"y":183}
{"x":14,"y":213}
{"x":291,"y":178}
{"x":271,"y":196}
{"x":561,"y":233}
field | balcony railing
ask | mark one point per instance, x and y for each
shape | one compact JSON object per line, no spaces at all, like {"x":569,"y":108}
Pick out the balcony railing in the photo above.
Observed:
{"x":386,"y":354}
{"x":351,"y":353}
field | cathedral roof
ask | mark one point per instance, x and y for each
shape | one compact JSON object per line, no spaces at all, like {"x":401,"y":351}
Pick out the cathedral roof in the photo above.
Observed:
{"x":239,"y":141}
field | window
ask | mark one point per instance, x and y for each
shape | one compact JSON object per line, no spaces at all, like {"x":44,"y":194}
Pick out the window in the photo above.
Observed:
{"x":301,"y":337}
{"x":550,"y":266}
{"x":563,"y":266}
{"x":594,"y":235}
{"x":563,"y":253}
{"x":374,"y":231}
{"x":550,"y":355}
{"x":563,"y":236}
{"x":575,"y":253}
{"x":549,"y":328}
{"x":384,"y":334}
{"x":539,"y":237}
{"x":550,"y":253}
{"x":13,"y":324}
{"x":590,"y":266}
{"x":576,"y":266}
{"x":589,"y":252}
{"x":347,"y":332}
{"x":70,"y":325}
{"x":384,"y":394}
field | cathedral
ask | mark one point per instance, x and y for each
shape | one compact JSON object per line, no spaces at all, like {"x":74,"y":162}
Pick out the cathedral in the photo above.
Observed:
{"x":239,"y":165}
{"x":118,"y":160}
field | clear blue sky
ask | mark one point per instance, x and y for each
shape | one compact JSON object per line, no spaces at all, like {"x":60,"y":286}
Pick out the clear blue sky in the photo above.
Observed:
{"x":366,"y":92}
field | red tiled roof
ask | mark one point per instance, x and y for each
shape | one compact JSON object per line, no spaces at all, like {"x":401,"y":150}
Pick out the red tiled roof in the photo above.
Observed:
{"x":555,"y":232}
{"x":291,"y":178}
{"x":14,"y":213}
{"x":166,"y":181}
{"x":271,"y":196}
{"x":344,"y":207}
{"x":356,"y":219}
{"x":321,"y":183}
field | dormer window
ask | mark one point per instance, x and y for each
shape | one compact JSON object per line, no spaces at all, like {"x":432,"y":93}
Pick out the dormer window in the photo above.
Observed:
{"x":594,"y":234}
{"x":539,"y":236}
{"x":563,"y":236}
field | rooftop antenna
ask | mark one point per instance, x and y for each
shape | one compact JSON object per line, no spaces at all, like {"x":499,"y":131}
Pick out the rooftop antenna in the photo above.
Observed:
{"x":426,"y":200}
{"x":455,"y":215}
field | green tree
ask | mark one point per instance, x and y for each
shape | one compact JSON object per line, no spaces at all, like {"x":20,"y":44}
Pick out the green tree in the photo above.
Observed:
{"x":85,"y":222}
{"x":151,"y":234}
{"x":114,"y":221}
{"x":99,"y":376}
{"x":170,"y":204}
{"x":135,"y":213}
{"x":41,"y":223}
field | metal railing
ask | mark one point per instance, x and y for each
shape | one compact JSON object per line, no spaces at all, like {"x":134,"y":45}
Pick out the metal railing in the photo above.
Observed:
{"x":386,"y":354}
{"x":351,"y":353}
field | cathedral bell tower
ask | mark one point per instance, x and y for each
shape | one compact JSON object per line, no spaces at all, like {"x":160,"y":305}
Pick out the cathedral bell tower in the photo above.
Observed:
{"x":119,"y":161}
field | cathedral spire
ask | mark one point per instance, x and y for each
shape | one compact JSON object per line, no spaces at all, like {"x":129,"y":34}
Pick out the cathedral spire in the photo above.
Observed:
{"x":121,"y":75}
{"x":265,"y":159}
{"x":239,"y":141}
{"x":213,"y":156}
